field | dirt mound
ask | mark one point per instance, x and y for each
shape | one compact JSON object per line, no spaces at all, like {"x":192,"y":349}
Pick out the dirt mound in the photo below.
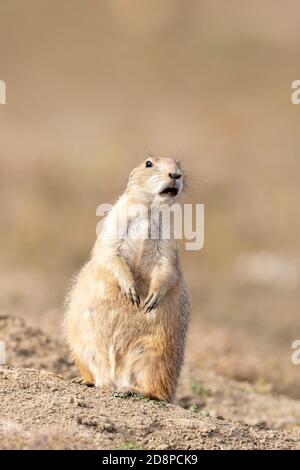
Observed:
{"x":40,"y":410}
{"x":31,"y":347}
{"x":202,"y":391}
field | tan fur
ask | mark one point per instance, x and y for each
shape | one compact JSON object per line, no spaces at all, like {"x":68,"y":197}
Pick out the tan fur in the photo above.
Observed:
{"x":115,"y":343}
{"x":86,"y":375}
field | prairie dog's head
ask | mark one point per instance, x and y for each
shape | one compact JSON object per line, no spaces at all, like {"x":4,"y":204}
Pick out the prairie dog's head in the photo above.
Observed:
{"x":157,"y":179}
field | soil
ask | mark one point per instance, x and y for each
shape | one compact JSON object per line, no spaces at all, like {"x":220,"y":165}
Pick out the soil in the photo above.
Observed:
{"x":40,"y":408}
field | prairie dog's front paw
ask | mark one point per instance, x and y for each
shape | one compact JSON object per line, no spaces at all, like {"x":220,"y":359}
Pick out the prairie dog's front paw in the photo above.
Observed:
{"x":152,"y":300}
{"x":130,"y":292}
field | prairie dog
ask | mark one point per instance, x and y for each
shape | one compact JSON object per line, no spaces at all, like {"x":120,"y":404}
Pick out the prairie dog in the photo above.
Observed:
{"x":127,"y":314}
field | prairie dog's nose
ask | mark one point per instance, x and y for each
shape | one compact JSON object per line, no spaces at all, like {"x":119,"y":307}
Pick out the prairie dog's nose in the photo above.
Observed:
{"x":175,"y":176}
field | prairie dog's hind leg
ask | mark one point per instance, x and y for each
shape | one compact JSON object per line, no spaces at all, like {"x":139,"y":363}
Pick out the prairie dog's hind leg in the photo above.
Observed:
{"x":86,"y":377}
{"x":152,"y":376}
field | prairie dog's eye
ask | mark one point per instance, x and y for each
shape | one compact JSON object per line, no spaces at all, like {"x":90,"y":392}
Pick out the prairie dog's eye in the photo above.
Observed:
{"x":148,"y":164}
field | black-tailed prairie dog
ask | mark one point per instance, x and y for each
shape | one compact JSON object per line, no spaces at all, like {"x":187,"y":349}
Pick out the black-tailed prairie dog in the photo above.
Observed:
{"x":127,"y":314}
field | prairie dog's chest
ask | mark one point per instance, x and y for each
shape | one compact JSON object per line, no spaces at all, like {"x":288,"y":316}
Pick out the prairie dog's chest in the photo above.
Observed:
{"x":138,"y":247}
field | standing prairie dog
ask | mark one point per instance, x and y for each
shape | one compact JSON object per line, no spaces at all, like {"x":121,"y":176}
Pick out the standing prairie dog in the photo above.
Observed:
{"x":128,"y":312}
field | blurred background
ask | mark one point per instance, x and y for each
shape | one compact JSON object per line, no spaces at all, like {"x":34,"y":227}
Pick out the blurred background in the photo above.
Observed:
{"x":94,"y":86}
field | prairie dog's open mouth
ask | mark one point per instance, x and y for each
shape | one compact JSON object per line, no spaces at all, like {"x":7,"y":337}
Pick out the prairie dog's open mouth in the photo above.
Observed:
{"x":172,"y":191}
